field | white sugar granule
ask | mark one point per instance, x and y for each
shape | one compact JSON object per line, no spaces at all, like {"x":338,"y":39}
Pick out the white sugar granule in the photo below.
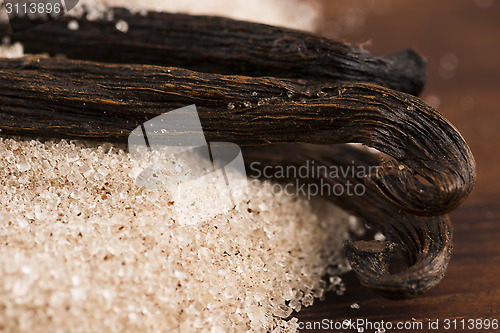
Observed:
{"x":8,"y":50}
{"x":83,"y":249}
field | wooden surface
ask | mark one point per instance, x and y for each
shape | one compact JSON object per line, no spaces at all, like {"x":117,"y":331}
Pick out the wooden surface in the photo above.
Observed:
{"x":469,"y":96}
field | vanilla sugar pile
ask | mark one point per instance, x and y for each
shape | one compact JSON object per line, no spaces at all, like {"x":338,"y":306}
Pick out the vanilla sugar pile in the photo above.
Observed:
{"x":84,"y":249}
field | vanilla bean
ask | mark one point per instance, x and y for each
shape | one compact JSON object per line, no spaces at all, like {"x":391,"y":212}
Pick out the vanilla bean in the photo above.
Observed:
{"x":432,"y":173}
{"x":425,"y":243}
{"x":224,"y":46}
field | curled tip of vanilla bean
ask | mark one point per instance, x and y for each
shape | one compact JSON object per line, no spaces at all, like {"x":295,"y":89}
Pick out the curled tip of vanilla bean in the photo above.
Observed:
{"x":431,"y":158}
{"x":424,"y":243}
{"x":432,"y":169}
{"x":371,"y":259}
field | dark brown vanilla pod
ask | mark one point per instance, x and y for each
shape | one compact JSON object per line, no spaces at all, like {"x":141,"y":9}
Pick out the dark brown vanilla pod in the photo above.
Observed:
{"x":432,"y":172}
{"x":224,"y":46}
{"x":424,"y":243}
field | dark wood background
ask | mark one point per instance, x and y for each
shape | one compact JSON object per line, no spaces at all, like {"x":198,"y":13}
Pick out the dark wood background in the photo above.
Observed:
{"x":461,"y":41}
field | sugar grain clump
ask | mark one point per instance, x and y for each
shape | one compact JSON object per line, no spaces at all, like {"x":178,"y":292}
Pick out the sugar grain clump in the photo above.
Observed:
{"x":84,"y":249}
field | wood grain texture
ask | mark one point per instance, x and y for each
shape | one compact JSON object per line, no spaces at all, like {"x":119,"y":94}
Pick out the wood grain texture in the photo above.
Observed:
{"x":471,"y":287}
